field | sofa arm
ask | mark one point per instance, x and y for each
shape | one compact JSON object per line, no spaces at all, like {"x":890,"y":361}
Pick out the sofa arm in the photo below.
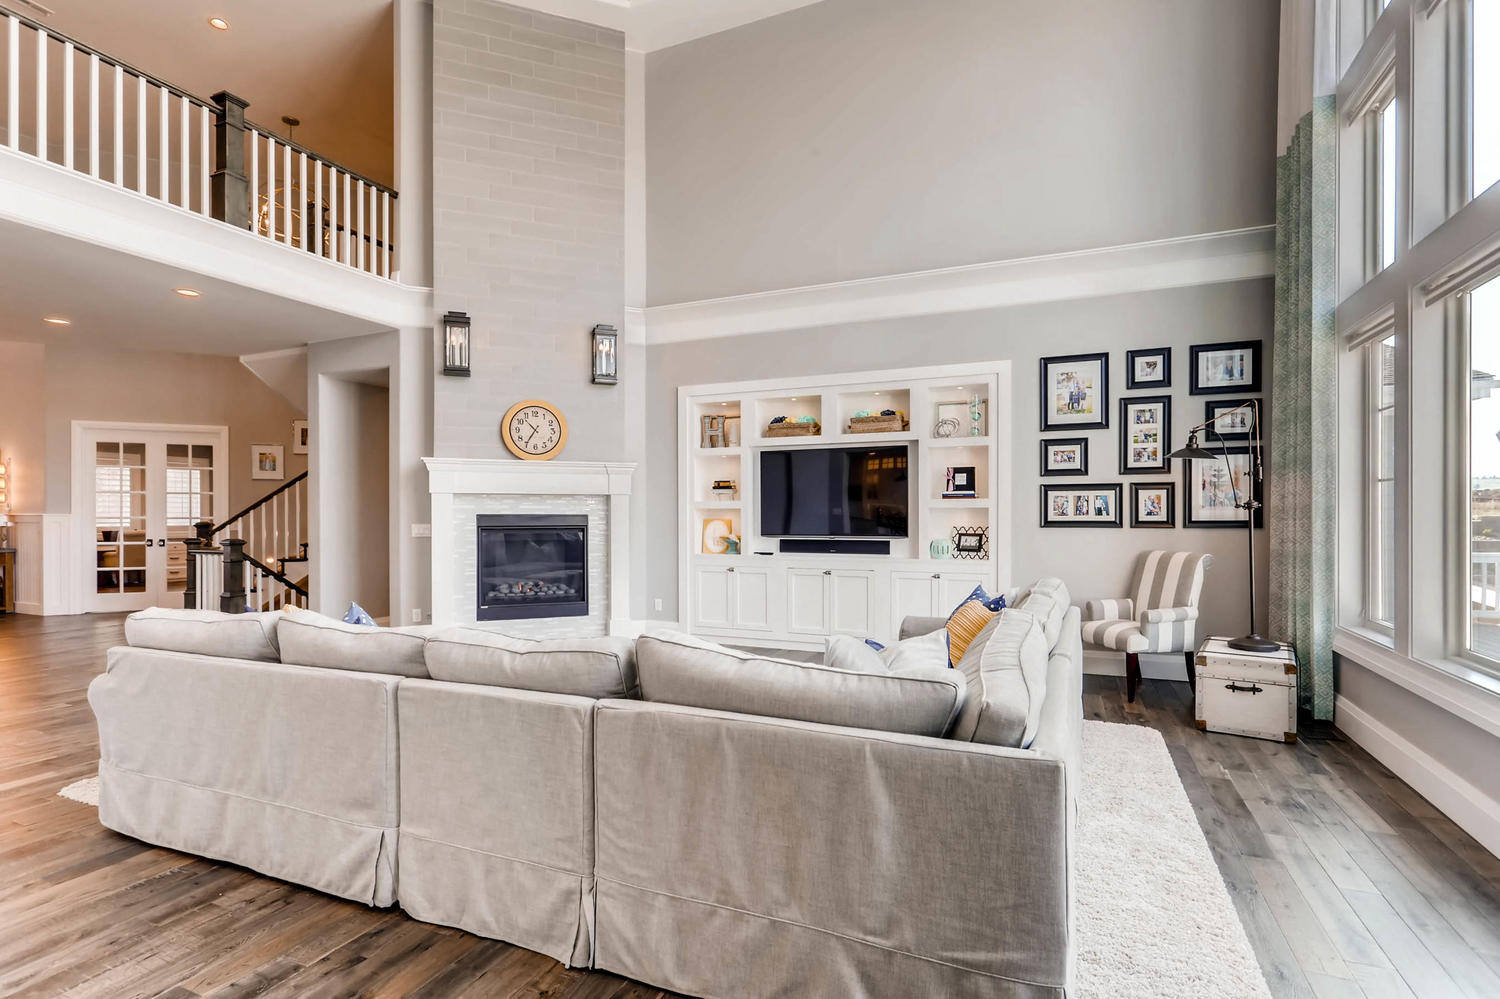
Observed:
{"x":1109,"y":610}
{"x":938,"y":864}
{"x":915,"y":625}
{"x":1166,"y":615}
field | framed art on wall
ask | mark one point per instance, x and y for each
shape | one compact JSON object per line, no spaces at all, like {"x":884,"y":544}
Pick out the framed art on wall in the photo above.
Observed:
{"x":1093,"y":505}
{"x":1153,"y":504}
{"x":1212,"y":489}
{"x":1145,"y":433}
{"x":1065,"y":456}
{"x":267,"y":461}
{"x":1221,"y":368}
{"x":1075,"y":392}
{"x":1148,"y":369}
{"x":299,"y":437}
{"x":1241,"y":426}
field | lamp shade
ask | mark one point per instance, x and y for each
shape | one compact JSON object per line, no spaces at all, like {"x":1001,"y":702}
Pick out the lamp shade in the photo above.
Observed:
{"x":1192,"y":450}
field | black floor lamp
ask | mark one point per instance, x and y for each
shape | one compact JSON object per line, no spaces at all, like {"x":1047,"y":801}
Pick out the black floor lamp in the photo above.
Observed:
{"x":1252,"y":642}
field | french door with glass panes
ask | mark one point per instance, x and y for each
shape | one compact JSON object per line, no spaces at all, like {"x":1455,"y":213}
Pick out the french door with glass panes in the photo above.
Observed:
{"x":149,"y":487}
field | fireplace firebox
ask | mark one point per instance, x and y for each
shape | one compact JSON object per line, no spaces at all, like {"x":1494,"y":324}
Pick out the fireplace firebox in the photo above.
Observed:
{"x":532,"y":566}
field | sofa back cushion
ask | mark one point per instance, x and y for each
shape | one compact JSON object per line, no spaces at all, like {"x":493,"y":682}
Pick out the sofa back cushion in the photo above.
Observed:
{"x":681,"y":669}
{"x":587,"y":667}
{"x":1048,"y":600}
{"x":205,"y":633}
{"x":309,"y":639}
{"x":1005,"y":669}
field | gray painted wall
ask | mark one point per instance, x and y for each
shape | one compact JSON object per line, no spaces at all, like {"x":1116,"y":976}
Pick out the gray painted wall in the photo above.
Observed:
{"x":854,"y":138}
{"x":1094,"y":563}
{"x":529,"y":193}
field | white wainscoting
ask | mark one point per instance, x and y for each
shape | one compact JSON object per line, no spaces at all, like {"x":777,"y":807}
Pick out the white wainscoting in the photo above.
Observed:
{"x":43,"y":563}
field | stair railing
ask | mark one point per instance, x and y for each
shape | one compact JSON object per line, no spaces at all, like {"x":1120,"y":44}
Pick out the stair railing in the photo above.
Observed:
{"x":248,"y":562}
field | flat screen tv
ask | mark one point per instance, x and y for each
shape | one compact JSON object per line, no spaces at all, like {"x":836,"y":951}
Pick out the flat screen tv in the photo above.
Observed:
{"x":846,"y":492}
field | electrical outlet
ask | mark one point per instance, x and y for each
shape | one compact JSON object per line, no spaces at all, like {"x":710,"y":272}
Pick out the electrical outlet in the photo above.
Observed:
{"x":421,"y":530}
{"x":416,"y":615}
{"x":658,"y":603}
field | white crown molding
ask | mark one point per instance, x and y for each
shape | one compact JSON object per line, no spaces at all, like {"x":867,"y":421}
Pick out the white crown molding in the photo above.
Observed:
{"x":657,"y":24}
{"x":1209,"y":258}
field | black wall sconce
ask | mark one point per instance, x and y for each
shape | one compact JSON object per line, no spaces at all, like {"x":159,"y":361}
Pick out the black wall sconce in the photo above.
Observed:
{"x":606,"y":341}
{"x":456,"y":344}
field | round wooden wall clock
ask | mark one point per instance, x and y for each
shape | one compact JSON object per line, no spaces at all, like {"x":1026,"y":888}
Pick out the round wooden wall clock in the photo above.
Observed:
{"x":534,"y":430}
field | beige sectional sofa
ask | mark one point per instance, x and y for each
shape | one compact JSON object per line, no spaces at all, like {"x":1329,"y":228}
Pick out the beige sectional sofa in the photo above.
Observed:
{"x":712,"y":822}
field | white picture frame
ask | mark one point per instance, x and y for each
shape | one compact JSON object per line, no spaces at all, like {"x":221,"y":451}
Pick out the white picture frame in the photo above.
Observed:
{"x":268,"y":461}
{"x":301,"y":437}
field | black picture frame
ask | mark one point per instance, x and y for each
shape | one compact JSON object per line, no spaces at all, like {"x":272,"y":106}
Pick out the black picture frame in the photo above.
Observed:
{"x":1050,"y":422}
{"x":971,"y":542}
{"x":1127,"y":427}
{"x":1189,"y":484}
{"x":1196,"y":384}
{"x":1083,"y":448}
{"x":1163,"y":353}
{"x":1073,"y":491}
{"x":1213,"y":407}
{"x":1136,"y":488}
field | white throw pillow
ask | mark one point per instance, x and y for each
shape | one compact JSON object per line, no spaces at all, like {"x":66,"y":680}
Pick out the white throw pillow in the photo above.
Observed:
{"x":929,"y":651}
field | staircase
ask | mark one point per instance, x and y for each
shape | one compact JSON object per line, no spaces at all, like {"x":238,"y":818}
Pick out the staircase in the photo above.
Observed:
{"x":255,"y":560}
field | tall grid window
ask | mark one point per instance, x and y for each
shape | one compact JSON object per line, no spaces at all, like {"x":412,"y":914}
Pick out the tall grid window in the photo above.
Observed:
{"x":1482,"y":316}
{"x":1385,"y":195}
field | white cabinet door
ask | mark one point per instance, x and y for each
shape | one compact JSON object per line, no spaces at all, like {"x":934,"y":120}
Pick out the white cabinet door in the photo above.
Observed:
{"x":807,"y":601}
{"x":911,"y":596}
{"x":952,"y":587}
{"x":851,"y":602}
{"x":752,"y":599}
{"x":713,"y":603}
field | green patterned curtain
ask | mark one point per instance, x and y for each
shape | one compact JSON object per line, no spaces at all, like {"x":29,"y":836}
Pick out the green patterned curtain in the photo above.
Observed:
{"x":1303,"y":411}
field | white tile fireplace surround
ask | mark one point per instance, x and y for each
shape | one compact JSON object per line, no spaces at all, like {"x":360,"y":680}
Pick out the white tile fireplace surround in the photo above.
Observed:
{"x":463,"y":489}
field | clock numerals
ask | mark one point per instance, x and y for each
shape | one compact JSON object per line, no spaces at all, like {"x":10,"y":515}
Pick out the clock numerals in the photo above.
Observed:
{"x":534,"y":430}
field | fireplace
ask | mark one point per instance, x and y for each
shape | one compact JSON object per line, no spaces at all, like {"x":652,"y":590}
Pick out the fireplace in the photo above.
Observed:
{"x":532,"y":565}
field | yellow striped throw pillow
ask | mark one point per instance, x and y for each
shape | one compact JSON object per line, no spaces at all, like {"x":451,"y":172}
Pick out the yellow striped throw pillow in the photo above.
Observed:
{"x":964,"y":624}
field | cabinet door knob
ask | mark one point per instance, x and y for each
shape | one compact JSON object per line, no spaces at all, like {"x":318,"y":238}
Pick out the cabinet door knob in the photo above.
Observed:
{"x":731,"y":568}
{"x":937,"y":575}
{"x":828,"y":572}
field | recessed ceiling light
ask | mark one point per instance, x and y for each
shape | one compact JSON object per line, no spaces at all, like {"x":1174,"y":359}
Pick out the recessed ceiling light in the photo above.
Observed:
{"x":57,"y":320}
{"x":188,"y":292}
{"x":218,"y":24}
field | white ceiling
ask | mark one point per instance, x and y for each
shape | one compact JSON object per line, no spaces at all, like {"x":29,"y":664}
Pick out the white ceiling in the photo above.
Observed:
{"x":326,"y":62}
{"x":657,"y":24}
{"x":127,"y":301}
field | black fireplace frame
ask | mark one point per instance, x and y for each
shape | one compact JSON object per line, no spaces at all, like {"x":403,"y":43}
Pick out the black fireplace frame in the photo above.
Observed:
{"x":526,"y":611}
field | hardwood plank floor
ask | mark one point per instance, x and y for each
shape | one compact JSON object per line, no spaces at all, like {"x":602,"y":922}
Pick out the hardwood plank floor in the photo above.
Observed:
{"x":1349,"y":884}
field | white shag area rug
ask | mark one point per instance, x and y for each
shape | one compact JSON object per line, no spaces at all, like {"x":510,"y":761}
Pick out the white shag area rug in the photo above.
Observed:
{"x":1154,"y":917}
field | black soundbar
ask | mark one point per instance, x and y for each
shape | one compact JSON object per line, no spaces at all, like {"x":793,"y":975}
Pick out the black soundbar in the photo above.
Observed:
{"x":834,"y":546}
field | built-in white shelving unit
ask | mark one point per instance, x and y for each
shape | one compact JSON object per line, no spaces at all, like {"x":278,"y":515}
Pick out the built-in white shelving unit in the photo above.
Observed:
{"x":763,"y":596}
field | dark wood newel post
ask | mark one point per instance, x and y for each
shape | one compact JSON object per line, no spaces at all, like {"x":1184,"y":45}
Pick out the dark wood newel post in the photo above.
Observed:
{"x":202,"y":538}
{"x":232,"y":600}
{"x":231,"y":188}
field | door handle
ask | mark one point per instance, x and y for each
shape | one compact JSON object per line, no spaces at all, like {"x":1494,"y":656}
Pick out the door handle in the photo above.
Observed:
{"x":1252,"y":689}
{"x":731,"y":568}
{"x":162,"y":542}
{"x":150,"y":542}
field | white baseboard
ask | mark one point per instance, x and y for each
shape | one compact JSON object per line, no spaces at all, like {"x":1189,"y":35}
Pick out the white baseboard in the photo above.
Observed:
{"x":1167,"y":666}
{"x":1473,"y":811}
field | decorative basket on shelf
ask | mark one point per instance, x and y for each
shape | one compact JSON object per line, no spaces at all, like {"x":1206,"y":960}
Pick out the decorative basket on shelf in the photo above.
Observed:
{"x":876,"y":424}
{"x":791,"y":428}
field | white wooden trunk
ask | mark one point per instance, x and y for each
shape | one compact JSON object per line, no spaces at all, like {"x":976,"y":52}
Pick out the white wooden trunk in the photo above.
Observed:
{"x":1247,"y":693}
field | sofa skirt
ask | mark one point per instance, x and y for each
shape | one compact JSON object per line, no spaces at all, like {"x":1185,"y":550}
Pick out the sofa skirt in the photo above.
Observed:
{"x":342,"y":858}
{"x":540,"y":908}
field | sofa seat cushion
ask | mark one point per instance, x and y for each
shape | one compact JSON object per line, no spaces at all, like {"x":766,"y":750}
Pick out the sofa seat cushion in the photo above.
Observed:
{"x":309,"y":639}
{"x":1116,"y":634}
{"x":1005,"y":669}
{"x":681,"y":669}
{"x":587,"y":667}
{"x":206,"y":633}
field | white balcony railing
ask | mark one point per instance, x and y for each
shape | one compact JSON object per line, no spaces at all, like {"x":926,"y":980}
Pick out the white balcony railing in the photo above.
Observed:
{"x":1484,"y":587}
{"x":79,"y":109}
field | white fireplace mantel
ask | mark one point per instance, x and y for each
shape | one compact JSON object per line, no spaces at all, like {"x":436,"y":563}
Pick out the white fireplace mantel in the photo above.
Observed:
{"x":449,"y":478}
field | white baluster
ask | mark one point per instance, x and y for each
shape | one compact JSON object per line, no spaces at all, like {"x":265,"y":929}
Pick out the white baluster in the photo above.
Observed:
{"x":205,"y":124}
{"x":317,"y":208}
{"x":68,"y":105}
{"x":385,"y":233}
{"x":118,"y":135}
{"x":275,"y":549}
{"x":13,"y":85}
{"x":302,"y":201}
{"x":254,"y":181}
{"x":164,"y":147}
{"x":359,"y":224}
{"x":94,"y":112}
{"x":184,"y":172}
{"x":333,"y":215}
{"x":271,"y":187}
{"x":348,"y":224}
{"x":140,"y":134}
{"x":41,"y":94}
{"x":286,"y":200}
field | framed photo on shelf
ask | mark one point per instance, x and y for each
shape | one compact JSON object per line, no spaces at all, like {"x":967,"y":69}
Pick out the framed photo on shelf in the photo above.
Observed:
{"x":1225,"y":368}
{"x":1065,"y":456}
{"x":1153,"y":504}
{"x":1213,"y":488}
{"x":1145,"y":433}
{"x":1075,"y":392}
{"x":971,"y":542}
{"x":1092,"y":505}
{"x":1241,"y":426}
{"x":267,"y":461}
{"x":1148,"y":369}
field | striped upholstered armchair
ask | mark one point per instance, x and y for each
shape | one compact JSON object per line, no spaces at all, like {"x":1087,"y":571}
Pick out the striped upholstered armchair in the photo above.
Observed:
{"x":1160,"y":615}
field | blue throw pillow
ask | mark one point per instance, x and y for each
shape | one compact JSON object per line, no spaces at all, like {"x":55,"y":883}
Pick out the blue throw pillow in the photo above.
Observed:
{"x":992,"y":604}
{"x":874,"y":644}
{"x":358,"y":615}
